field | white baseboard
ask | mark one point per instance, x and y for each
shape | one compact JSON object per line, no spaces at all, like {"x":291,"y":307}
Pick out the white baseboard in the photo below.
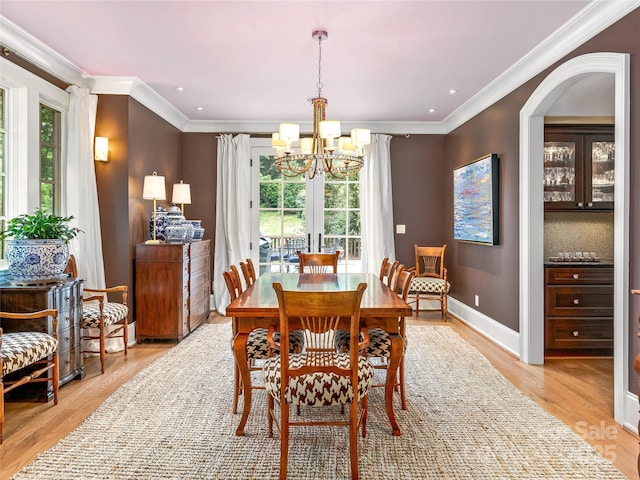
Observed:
{"x":631,"y":416}
{"x":487,"y":326}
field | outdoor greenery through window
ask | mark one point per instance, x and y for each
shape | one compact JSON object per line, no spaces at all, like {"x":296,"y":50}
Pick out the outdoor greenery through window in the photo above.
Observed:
{"x":49,"y":158}
{"x":322,"y":214}
{"x":3,"y":169}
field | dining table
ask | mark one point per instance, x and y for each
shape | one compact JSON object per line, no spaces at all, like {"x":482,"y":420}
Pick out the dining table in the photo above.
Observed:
{"x":257,"y":307}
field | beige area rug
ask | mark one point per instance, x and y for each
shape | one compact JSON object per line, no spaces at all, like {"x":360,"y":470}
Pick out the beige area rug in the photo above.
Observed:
{"x":464,"y":421}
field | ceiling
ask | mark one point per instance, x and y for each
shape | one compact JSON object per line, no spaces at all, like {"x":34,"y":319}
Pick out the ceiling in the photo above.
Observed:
{"x":384,"y":61}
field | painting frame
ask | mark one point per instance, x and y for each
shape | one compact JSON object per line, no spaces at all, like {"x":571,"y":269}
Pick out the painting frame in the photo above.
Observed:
{"x":476,"y":191}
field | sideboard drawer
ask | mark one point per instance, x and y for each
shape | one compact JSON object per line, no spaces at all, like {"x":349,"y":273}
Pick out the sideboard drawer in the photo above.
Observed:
{"x":579,"y":333}
{"x":586,"y":301}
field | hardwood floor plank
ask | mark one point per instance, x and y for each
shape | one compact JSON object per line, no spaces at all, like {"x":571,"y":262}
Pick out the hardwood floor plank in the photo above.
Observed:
{"x":579,"y":392}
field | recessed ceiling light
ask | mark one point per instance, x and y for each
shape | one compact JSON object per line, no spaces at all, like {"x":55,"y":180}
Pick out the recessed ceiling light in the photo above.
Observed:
{"x":200,"y":108}
{"x":180,"y":89}
{"x":431,"y":110}
{"x":452,"y":91}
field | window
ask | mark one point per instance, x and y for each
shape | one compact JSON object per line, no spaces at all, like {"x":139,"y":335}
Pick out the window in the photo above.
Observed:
{"x":32,"y":136}
{"x":3,"y":170}
{"x":49,"y":159}
{"x":319,"y":215}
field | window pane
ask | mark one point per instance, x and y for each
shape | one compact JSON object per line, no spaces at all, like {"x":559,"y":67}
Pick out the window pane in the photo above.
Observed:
{"x":294,"y":195}
{"x":354,"y":195}
{"x":354,"y":222}
{"x":46,"y":125}
{"x":267,"y":169}
{"x":335,"y":195}
{"x":46,"y":197}
{"x":270,"y":195}
{"x":46,"y":164}
{"x":294,"y":223}
{"x":334,"y":223}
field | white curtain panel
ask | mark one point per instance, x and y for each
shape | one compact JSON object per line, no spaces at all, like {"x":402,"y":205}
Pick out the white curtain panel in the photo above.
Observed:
{"x":376,"y":205}
{"x":233,"y":217}
{"x":81,"y":199}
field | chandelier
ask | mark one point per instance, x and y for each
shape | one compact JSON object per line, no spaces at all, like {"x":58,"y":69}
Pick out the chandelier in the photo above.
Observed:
{"x":326,"y":151}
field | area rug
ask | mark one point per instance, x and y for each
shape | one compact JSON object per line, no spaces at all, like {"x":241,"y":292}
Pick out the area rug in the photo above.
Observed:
{"x":464,"y":420}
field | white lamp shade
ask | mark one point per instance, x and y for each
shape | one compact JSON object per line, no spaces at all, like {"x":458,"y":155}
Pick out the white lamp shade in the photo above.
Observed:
{"x":276,"y":142}
{"x":181,"y":193}
{"x":101,"y":149}
{"x":329,"y":129}
{"x":289,"y":132}
{"x":361,"y":136}
{"x":153,"y":188}
{"x":345,"y":145}
{"x":306,"y":145}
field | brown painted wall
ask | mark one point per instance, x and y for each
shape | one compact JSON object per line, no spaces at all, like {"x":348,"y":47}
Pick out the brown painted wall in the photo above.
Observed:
{"x":418,"y":174}
{"x":492,"y":272}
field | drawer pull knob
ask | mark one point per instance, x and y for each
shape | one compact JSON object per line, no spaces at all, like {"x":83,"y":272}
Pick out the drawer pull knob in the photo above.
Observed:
{"x":576,"y":333}
{"x":576,"y":276}
{"x":67,"y":339}
{"x":576,"y":301}
{"x":67,"y":362}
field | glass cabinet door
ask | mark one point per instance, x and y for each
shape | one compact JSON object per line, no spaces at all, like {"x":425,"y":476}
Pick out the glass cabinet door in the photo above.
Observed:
{"x":601,"y":154}
{"x":560,"y":173}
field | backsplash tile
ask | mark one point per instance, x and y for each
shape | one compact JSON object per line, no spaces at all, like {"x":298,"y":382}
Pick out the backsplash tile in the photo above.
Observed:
{"x":578,"y":232}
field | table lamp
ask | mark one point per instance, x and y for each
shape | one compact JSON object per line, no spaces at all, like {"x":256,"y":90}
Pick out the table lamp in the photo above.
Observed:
{"x":181,"y":194}
{"x":153,"y":189}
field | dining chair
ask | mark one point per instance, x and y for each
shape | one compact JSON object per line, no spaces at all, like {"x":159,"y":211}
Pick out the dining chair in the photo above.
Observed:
{"x":20,"y":350}
{"x":246,"y":273}
{"x":379,"y":341}
{"x":320,"y":376}
{"x":319,"y":262}
{"x":257,"y":345}
{"x":388,"y":270}
{"x":109,"y":318}
{"x":252,"y":270}
{"x":430,"y":281}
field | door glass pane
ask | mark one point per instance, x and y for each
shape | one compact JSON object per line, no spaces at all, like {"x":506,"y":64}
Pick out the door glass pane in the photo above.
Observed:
{"x":602,"y":171}
{"x":559,"y":172}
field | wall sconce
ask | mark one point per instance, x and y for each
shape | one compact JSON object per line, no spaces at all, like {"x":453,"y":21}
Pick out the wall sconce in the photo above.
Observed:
{"x":101,"y":149}
{"x":181,"y":194}
{"x":153,"y":189}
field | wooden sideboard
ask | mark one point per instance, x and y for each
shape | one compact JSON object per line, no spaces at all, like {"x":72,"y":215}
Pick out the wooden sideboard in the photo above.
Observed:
{"x":66,"y":297}
{"x":173,"y":284}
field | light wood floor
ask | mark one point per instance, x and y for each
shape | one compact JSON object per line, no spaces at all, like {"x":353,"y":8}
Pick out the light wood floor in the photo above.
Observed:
{"x":579,"y":392}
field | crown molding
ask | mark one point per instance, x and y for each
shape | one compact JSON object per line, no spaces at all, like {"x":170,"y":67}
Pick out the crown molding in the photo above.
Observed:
{"x":590,"y":21}
{"x":143,"y":93}
{"x":30,"y":48}
{"x":267,"y":127}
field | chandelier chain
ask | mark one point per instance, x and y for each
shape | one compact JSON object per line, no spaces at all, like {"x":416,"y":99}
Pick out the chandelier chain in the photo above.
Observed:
{"x":319,"y":85}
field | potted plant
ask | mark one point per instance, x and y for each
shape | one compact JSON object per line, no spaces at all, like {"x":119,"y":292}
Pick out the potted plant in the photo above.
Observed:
{"x":37,"y":246}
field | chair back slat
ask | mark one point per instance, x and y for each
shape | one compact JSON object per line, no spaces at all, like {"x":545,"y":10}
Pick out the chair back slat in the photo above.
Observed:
{"x":430,"y":261}
{"x":319,"y":262}
{"x":246,"y":274}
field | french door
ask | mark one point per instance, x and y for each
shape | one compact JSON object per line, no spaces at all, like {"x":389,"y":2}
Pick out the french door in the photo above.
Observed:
{"x":298,"y":214}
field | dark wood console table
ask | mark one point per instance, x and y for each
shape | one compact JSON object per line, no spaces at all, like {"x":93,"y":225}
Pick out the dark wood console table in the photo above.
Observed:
{"x":66,"y":297}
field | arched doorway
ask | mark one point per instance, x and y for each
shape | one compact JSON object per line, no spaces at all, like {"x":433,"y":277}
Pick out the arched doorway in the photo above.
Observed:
{"x":531,"y":297}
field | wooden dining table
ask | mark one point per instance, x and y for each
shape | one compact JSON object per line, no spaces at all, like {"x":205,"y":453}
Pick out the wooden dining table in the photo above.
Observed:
{"x":257,"y":307}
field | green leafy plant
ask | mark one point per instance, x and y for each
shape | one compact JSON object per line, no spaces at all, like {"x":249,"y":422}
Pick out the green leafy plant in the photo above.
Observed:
{"x":40,"y":226}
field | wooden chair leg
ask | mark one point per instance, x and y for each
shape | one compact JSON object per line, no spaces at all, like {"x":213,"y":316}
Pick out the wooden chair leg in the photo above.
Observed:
{"x":125,"y":337}
{"x":56,"y":377}
{"x":365,"y":414}
{"x":270,"y":406}
{"x":236,"y":387}
{"x":284,"y":439}
{"x":353,"y":438}
{"x":1,"y":405}
{"x":403,"y":399}
{"x":102,"y":354}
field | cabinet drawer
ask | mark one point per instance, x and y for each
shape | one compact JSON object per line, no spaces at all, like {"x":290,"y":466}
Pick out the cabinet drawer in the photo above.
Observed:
{"x":573,"y":333}
{"x":199,"y":248}
{"x":68,"y":338}
{"x":579,"y":276}
{"x":199,"y":264}
{"x":587,"y":301}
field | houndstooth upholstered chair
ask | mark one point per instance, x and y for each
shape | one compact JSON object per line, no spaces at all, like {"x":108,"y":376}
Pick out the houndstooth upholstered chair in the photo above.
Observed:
{"x":257,"y":345}
{"x":99,"y":313}
{"x":19,"y":350}
{"x":430,"y":281}
{"x":379,"y":341}
{"x":320,"y":376}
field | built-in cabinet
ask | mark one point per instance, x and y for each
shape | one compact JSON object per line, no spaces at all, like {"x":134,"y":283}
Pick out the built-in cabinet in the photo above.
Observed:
{"x":578,"y":310}
{"x":66,"y":297}
{"x":172,"y":289}
{"x":579,"y":166}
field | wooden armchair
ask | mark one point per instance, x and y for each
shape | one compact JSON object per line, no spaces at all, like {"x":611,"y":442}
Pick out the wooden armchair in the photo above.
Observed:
{"x":98,"y":312}
{"x":319,"y":262}
{"x":430,"y":281}
{"x":320,"y":376}
{"x":19,"y":350}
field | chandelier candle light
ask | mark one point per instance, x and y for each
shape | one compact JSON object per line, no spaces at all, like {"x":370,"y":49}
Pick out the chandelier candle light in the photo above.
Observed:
{"x":319,"y":153}
{"x":153,"y":189}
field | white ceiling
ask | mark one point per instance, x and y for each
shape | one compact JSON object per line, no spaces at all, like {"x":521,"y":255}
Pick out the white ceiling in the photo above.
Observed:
{"x":384,"y":61}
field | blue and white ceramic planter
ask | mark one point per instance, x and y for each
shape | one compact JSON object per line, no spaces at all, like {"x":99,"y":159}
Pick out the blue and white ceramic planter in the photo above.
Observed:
{"x":36,"y":261}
